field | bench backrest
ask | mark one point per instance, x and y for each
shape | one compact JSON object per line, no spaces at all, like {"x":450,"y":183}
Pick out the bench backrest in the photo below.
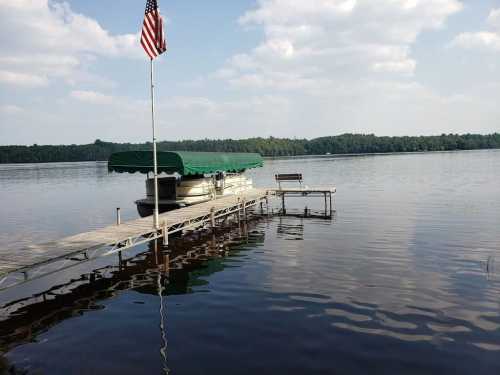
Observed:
{"x":288,"y":177}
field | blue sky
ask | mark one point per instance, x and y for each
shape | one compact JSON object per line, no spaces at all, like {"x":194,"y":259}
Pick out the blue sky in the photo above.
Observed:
{"x":73,"y":71}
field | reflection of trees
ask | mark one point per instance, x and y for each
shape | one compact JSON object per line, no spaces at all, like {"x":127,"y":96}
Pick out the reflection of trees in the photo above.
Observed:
{"x":177,"y":269}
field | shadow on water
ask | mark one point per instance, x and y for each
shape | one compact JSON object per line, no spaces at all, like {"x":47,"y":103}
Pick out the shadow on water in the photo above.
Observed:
{"x":158,"y":271}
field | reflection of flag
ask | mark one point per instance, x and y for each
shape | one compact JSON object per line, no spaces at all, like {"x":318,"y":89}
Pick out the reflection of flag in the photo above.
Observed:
{"x":152,"y":37}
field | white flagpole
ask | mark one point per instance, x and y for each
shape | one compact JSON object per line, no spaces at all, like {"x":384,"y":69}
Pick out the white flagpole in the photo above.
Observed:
{"x":155,"y":168}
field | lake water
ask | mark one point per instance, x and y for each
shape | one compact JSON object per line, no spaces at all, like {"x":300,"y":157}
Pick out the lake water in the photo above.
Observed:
{"x":405,"y":279}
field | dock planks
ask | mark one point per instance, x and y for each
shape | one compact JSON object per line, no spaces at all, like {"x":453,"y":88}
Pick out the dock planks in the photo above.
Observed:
{"x":127,"y":234}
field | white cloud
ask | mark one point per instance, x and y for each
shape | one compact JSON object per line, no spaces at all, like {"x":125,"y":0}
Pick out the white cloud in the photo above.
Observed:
{"x":485,"y":39}
{"x":494,"y":19}
{"x":10,"y":109}
{"x":204,"y":106}
{"x":191,"y":103}
{"x":53,"y":41}
{"x":22,"y":79}
{"x":482,"y":39}
{"x":93,"y":97}
{"x":306,"y":41}
{"x":406,"y":66}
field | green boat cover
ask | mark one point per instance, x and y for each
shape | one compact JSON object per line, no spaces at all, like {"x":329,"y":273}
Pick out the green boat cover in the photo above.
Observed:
{"x":183,"y":162}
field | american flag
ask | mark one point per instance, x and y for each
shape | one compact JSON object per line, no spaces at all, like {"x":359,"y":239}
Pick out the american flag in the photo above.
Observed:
{"x":152,"y":37}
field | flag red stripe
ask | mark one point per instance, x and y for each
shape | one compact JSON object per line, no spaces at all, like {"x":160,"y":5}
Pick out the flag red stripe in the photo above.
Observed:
{"x":151,"y":21}
{"x":149,"y":39}
{"x":152,"y":36}
{"x":146,"y":48}
{"x":150,"y":49}
{"x":148,"y":32}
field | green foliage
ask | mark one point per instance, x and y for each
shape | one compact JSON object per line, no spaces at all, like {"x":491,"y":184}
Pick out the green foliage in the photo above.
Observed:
{"x":341,"y":144}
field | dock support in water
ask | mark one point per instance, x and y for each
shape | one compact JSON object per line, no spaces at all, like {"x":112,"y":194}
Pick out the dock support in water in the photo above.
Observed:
{"x":165,"y":234}
{"x":244,"y":210}
{"x":118,"y":216}
{"x":212,"y":218}
{"x":325,"y":193}
{"x":45,"y":259}
{"x":120,"y":261}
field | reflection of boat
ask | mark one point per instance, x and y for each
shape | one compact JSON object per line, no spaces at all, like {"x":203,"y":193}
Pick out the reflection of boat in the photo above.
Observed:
{"x":192,"y":177}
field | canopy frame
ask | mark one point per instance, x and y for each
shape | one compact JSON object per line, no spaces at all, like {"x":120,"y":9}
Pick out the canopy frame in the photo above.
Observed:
{"x":185,"y":163}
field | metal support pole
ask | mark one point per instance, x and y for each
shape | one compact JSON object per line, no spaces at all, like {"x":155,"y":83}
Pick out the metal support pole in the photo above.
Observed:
{"x":238,"y":214}
{"x":155,"y":166}
{"x":331,"y":209}
{"x":262,"y":208}
{"x":120,"y":261}
{"x":212,"y":217}
{"x":118,"y":216}
{"x":325,"y":206}
{"x":165,"y":234}
{"x":283,"y":203}
{"x":155,"y":250}
{"x":244,"y":204}
{"x":166,"y":263}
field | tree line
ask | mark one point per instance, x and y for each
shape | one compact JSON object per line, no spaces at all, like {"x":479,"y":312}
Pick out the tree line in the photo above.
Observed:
{"x":341,"y":144}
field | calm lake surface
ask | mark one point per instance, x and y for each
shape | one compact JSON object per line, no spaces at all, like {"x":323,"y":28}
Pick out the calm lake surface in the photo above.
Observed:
{"x":405,"y":279}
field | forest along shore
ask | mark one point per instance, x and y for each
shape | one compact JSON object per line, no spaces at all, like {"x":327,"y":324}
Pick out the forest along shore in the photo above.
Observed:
{"x":340,"y":144}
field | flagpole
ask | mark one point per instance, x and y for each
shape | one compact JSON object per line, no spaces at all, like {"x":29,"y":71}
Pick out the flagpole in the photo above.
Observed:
{"x":155,"y":167}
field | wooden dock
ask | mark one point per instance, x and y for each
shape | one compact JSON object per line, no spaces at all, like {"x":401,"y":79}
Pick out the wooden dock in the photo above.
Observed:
{"x":25,"y":264}
{"x":35,"y":261}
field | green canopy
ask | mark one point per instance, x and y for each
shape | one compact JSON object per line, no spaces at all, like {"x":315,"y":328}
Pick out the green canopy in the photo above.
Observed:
{"x":183,"y":162}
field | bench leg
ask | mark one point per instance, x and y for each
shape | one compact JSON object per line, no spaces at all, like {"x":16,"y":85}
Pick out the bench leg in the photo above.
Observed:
{"x":326,"y":212}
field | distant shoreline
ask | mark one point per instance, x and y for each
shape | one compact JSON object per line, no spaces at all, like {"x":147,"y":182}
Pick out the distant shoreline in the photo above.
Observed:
{"x":334,"y":146}
{"x":324,"y":156}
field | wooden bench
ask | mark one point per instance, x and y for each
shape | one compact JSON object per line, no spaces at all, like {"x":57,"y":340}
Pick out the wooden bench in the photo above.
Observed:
{"x":288,"y":177}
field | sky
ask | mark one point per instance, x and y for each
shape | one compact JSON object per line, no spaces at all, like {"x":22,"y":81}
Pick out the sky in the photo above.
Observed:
{"x":74,"y":71}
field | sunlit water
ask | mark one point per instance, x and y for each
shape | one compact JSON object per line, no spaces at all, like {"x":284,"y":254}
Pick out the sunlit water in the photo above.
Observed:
{"x":404,"y":280}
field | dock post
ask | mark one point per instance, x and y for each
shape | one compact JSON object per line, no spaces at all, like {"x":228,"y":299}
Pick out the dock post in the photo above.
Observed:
{"x":244,"y":204}
{"x":283,"y":203}
{"x":118,"y":216}
{"x":267,"y":202}
{"x":120,"y":261}
{"x":261,"y":208}
{"x":212,"y":218}
{"x":238,"y":212}
{"x":166,"y":263}
{"x":165,"y":234}
{"x":326,"y":214}
{"x":331,"y":209}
